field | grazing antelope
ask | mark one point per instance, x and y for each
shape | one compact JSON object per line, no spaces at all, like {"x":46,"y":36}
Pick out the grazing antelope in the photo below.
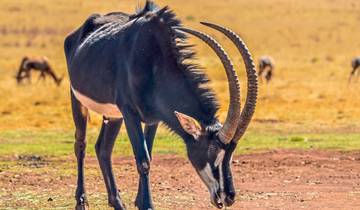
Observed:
{"x":266,"y":68}
{"x":355,"y":63}
{"x":134,"y":68}
{"x":36,"y":64}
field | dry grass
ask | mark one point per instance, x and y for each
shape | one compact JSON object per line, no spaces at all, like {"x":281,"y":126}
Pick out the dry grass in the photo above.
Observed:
{"x":311,"y":41}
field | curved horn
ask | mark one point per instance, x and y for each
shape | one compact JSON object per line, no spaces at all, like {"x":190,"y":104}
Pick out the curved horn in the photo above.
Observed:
{"x":227,"y":132}
{"x":251,"y":97}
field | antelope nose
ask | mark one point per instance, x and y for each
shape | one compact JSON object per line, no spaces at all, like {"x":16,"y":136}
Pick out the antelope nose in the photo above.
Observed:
{"x":230,"y":199}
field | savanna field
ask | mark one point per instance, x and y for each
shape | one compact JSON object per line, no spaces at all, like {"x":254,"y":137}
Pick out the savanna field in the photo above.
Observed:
{"x":302,"y":147}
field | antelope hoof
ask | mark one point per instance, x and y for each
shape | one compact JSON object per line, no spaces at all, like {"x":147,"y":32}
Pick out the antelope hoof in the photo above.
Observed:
{"x":116,"y":204}
{"x":141,"y":207}
{"x":82,"y":207}
{"x":82,"y":204}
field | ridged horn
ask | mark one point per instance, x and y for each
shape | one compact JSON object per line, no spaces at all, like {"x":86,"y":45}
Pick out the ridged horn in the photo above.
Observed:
{"x":228,"y":130}
{"x":251,"y":97}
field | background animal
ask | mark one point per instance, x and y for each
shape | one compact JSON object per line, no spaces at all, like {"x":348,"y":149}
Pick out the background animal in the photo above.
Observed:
{"x":266,"y":68}
{"x":355,"y":64}
{"x":134,"y":68}
{"x":36,"y":64}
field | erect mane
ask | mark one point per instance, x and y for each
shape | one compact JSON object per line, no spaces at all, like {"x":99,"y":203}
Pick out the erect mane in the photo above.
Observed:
{"x":184,"y":55}
{"x":150,"y":6}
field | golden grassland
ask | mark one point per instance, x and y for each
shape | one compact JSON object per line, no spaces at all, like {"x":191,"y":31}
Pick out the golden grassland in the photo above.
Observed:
{"x":312,"y":42}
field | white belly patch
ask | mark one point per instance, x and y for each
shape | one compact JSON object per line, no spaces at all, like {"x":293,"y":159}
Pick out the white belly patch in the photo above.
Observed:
{"x":105,"y":109}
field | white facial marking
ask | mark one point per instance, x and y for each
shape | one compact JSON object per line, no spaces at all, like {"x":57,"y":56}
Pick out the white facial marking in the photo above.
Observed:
{"x":107,"y":110}
{"x":221,"y":182}
{"x":208,"y":178}
{"x":219,"y":158}
{"x":218,"y":163}
{"x":211,"y":183}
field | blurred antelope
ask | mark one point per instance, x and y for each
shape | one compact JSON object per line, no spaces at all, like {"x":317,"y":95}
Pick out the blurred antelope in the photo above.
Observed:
{"x":36,"y":64}
{"x":355,"y":63}
{"x":266,"y":68}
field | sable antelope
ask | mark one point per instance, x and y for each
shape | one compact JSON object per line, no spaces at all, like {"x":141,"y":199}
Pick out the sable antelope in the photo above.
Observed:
{"x":36,"y":64}
{"x":135,"y":68}
{"x":355,"y":63}
{"x":266,"y":68}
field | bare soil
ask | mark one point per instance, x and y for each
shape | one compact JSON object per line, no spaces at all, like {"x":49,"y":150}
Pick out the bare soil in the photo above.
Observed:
{"x":282,"y":179}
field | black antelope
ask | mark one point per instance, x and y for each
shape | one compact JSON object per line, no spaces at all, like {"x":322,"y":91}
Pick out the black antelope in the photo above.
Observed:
{"x":134,"y":68}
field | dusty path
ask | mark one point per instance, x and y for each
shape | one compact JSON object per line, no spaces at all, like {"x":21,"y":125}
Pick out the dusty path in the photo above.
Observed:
{"x":270,"y":180}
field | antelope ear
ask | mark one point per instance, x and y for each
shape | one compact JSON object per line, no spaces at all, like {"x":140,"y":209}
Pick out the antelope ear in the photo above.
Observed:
{"x":189,"y":124}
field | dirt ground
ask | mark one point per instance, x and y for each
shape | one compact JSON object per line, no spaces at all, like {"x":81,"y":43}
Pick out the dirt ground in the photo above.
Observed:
{"x":281,"y":179}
